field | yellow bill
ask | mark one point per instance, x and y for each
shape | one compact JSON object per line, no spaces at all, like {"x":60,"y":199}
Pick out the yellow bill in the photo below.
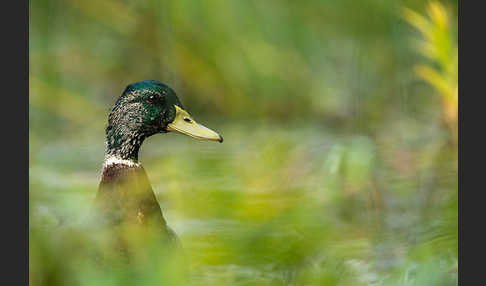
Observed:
{"x":184,"y":124}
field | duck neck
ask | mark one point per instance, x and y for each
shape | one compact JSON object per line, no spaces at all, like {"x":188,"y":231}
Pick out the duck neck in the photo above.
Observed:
{"x":123,"y":145}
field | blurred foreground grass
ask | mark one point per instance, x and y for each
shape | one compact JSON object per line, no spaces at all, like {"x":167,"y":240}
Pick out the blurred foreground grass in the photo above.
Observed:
{"x":272,"y":205}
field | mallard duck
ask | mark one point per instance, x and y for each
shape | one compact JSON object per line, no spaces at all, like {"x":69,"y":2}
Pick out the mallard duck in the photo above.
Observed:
{"x":125,"y":195}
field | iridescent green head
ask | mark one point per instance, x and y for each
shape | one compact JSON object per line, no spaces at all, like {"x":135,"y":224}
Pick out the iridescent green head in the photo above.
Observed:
{"x":146,"y":108}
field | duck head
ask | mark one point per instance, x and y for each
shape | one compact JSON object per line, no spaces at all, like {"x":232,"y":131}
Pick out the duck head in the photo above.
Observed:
{"x":146,"y":108}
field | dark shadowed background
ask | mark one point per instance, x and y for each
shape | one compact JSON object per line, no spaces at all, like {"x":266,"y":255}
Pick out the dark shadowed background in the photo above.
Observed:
{"x":339,"y":165}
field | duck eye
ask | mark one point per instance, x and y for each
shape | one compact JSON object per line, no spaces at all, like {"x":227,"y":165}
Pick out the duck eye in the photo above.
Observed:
{"x":187,"y":119}
{"x":155,"y":98}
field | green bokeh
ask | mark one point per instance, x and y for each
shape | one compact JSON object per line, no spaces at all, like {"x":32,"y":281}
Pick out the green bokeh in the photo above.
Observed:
{"x":338,"y":167}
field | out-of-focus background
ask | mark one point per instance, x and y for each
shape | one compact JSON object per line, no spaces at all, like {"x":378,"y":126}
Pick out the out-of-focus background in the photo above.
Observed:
{"x":339,"y":165}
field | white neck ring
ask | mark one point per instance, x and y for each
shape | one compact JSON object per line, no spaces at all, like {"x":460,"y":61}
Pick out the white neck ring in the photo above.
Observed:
{"x":111,"y":160}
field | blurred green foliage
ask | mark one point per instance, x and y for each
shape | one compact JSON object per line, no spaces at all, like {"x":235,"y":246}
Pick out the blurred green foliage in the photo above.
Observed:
{"x":339,"y":165}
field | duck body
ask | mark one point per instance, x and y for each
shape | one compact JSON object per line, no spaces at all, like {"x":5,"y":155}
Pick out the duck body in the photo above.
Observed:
{"x":125,"y":197}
